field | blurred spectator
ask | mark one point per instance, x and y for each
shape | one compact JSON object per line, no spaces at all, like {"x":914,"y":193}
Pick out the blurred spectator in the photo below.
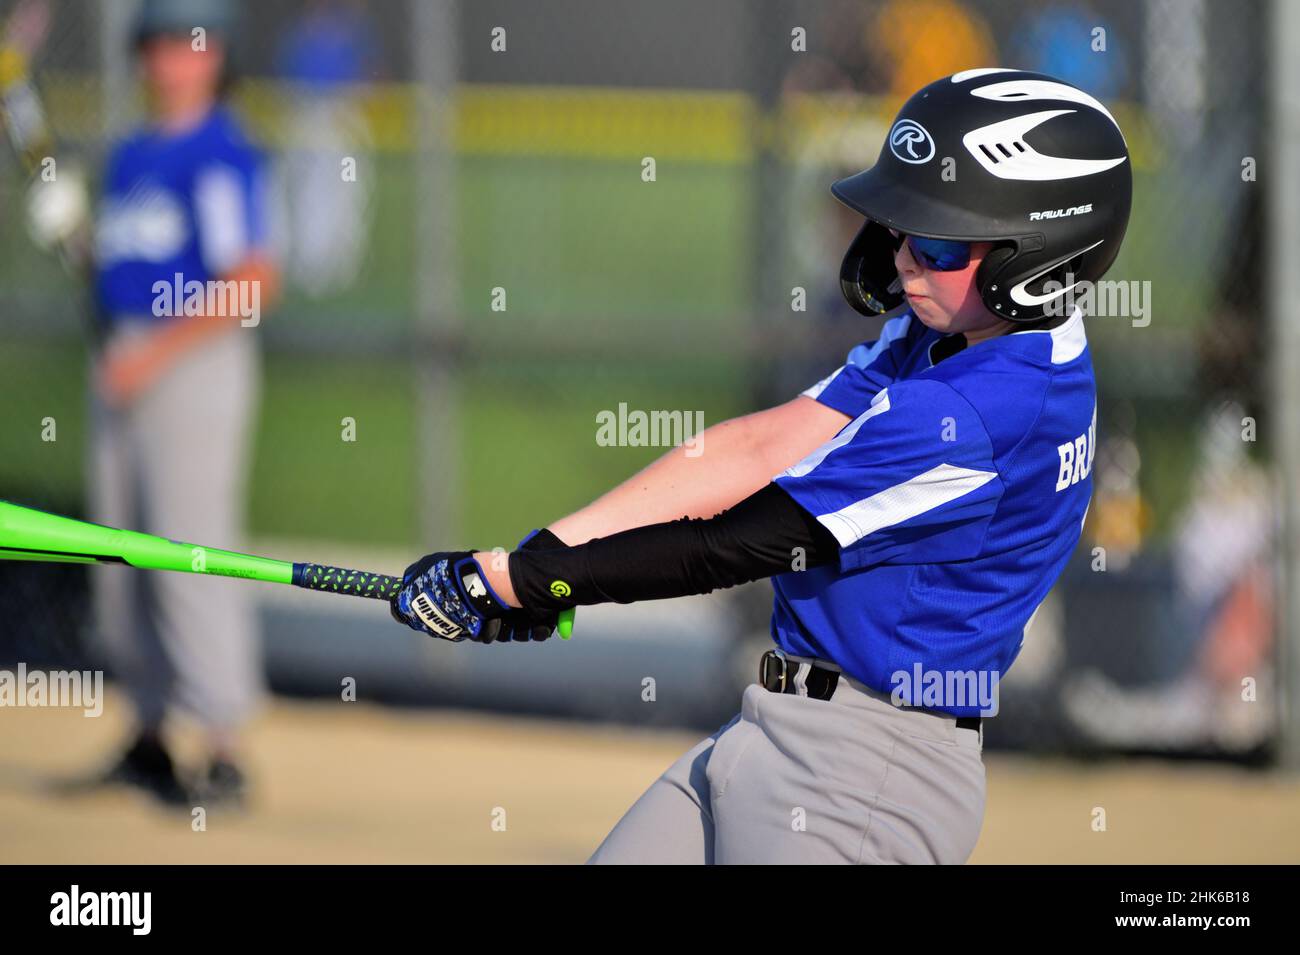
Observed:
{"x":1223,"y":609}
{"x":1059,"y":41}
{"x":323,"y":55}
{"x":922,"y":40}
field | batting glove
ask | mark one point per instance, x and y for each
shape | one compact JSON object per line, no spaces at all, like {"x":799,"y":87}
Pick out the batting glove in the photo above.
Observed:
{"x":447,"y":595}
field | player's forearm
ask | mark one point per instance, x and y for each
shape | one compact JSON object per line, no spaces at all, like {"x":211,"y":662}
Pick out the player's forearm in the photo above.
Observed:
{"x":728,"y":468}
{"x":765,"y":534}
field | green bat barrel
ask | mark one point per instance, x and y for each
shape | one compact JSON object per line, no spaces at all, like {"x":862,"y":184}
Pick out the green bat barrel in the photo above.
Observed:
{"x":29,"y":534}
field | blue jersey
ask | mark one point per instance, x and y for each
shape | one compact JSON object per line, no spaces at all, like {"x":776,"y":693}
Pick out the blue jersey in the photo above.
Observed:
{"x":190,"y":204}
{"x":957,"y":494}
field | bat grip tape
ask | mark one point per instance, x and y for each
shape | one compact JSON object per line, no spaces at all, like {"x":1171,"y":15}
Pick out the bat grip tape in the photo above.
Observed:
{"x":340,"y":580}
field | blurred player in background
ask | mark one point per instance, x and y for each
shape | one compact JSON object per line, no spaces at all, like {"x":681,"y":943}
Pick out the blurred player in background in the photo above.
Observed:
{"x":173,"y":395}
{"x":325,"y":56}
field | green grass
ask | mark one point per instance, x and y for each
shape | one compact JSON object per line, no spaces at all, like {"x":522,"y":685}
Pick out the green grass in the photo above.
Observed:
{"x":39,"y":381}
{"x":307,"y":481}
{"x":578,"y":241}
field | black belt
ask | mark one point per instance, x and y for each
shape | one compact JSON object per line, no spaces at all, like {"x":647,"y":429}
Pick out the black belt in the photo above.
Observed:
{"x":775,"y":674}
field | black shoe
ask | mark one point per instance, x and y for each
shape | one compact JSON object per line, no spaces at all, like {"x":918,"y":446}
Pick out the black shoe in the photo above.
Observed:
{"x":225,"y":786}
{"x":147,"y":766}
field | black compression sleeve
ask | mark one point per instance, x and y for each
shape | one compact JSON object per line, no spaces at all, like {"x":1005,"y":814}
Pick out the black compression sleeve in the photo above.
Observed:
{"x":756,"y":538}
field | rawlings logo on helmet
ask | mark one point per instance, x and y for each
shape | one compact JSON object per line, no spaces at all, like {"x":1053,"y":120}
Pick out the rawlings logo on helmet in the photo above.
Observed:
{"x":913,"y":139}
{"x":1061,"y":213}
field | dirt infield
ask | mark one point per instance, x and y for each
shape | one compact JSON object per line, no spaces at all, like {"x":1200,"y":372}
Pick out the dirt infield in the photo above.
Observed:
{"x":340,"y":782}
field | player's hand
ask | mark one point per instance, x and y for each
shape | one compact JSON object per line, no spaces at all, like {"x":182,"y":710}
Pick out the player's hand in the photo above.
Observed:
{"x":126,"y":369}
{"x":521,"y":625}
{"x":447,"y":595}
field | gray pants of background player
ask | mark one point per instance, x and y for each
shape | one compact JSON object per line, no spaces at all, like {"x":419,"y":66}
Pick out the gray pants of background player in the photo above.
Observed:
{"x":794,"y":779}
{"x":173,"y":463}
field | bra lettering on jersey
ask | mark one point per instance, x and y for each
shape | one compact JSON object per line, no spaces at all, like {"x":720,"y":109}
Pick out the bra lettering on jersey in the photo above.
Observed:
{"x":1076,"y":456}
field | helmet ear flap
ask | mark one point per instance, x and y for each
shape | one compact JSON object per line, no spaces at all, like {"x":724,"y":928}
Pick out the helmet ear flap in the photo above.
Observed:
{"x":868,"y":278}
{"x":987,"y":275}
{"x":1005,"y":266}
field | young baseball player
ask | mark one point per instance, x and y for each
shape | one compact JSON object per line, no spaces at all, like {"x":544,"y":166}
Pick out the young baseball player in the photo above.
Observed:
{"x":174,"y":397}
{"x":913,"y":508}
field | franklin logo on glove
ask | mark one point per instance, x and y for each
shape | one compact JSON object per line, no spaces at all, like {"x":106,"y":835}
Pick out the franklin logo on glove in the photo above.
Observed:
{"x":424,"y":608}
{"x":447,"y":595}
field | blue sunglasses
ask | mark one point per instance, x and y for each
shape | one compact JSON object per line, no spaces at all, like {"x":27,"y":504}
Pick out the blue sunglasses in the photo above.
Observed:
{"x":941,"y":255}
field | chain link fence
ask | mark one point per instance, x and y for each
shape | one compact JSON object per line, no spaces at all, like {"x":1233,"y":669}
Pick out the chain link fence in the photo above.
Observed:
{"x":497,"y":220}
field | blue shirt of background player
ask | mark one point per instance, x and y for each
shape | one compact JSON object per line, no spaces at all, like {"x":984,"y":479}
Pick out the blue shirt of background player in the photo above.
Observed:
{"x":957,"y":494}
{"x":191,"y":203}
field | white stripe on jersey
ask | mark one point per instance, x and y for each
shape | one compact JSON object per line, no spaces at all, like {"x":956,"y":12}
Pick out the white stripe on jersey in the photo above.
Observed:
{"x":219,"y":211}
{"x":1068,"y":339}
{"x":879,"y":405}
{"x":901,"y":502}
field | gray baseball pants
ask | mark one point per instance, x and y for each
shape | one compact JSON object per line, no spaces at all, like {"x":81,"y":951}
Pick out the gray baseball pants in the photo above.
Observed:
{"x":173,"y":463}
{"x":795,"y":779}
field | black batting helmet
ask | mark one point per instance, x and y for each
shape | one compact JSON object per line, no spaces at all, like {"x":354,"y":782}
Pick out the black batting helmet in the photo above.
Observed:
{"x":1023,"y":160}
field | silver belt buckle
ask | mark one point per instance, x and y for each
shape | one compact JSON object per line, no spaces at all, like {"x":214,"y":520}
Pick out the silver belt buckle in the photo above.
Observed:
{"x":768,"y":657}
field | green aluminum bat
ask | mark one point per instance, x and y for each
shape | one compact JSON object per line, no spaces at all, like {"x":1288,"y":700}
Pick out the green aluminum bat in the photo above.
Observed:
{"x":29,"y":534}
